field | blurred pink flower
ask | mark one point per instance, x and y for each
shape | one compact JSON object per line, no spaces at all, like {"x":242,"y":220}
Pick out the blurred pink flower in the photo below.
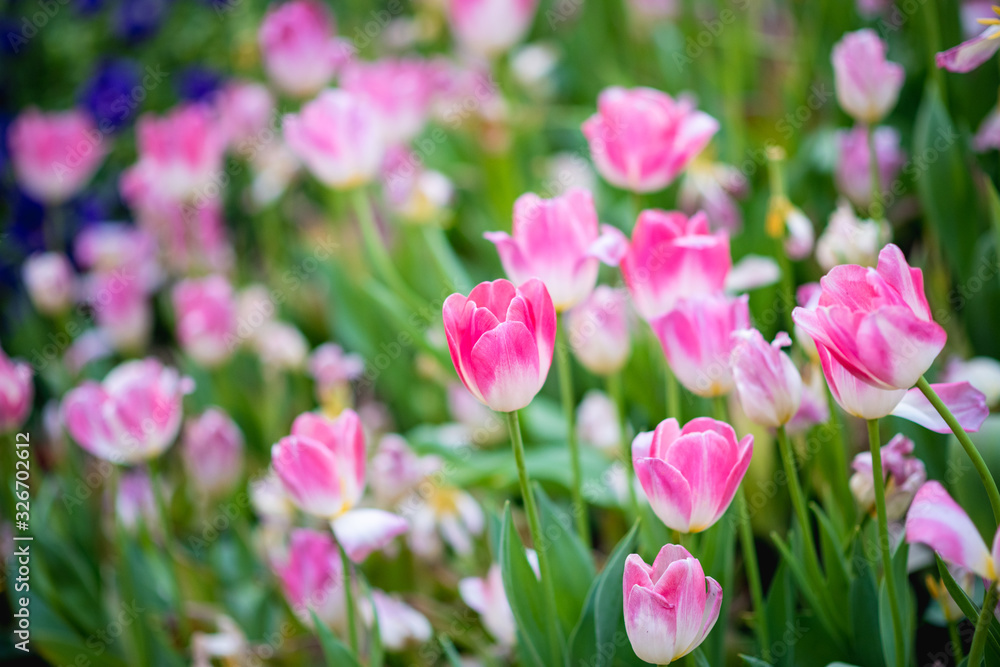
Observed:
{"x":904,"y":475}
{"x":767,"y":382}
{"x":854,"y":162}
{"x":598,"y":329}
{"x":246,"y":109}
{"x":205,"y":309}
{"x":936,"y":520}
{"x":641,"y":139}
{"x":988,"y":135}
{"x":50,"y":281}
{"x":983,"y":373}
{"x":714,"y":187}
{"x":135,"y":503}
{"x":121,"y":308}
{"x":399,"y":624}
{"x":415,"y":194}
{"x":850,"y":240}
{"x":54,"y":154}
{"x":332,"y":368}
{"x":972,"y":53}
{"x":17,"y":390}
{"x":867,"y":84}
{"x":312,"y":578}
{"x":490,"y":27}
{"x":398,"y":90}
{"x":212,"y":449}
{"x":486,"y":597}
{"x":298,"y":47}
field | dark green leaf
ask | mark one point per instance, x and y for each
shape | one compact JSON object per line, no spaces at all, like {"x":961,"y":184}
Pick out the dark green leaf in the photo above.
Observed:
{"x":334,"y":650}
{"x":524,"y":592}
{"x":573,"y":569}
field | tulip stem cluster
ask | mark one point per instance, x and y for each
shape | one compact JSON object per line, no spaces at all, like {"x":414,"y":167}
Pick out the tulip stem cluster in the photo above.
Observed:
{"x":352,"y":631}
{"x":967,"y":445}
{"x":982,"y":625}
{"x":569,"y":402}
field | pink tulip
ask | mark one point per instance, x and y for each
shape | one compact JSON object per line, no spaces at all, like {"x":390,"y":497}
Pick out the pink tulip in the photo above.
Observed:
{"x":670,"y":607}
{"x":115,"y":247}
{"x":988,"y":135}
{"x":867,"y":84}
{"x":121,"y":308}
{"x":180,"y":155}
{"x":206,"y":318}
{"x":490,"y":27}
{"x":132,"y":416}
{"x":641,"y":139}
{"x":904,"y":475}
{"x":17,"y":391}
{"x":854,"y":179}
{"x":767,"y":382}
{"x":135,"y":503}
{"x":983,"y":373}
{"x":597,"y":423}
{"x":714,"y":187}
{"x":50,"y":282}
{"x":246,"y":109}
{"x":312,"y":578}
{"x":212,"y":449}
{"x":697,"y":337}
{"x":298,"y":47}
{"x":972,"y":53}
{"x":415,"y":194}
{"x":333,"y":369}
{"x":861,"y":399}
{"x":876,"y":322}
{"x":672,"y":257}
{"x":553,"y":241}
{"x":849,"y":240}
{"x":599,"y":330}
{"x":280,"y":346}
{"x":338,"y":137}
{"x":501,"y":340}
{"x":395,"y":470}
{"x":936,"y":520}
{"x":399,"y":624}
{"x":487,"y":598}
{"x":399,"y":90}
{"x":690,"y":475}
{"x":54,"y":154}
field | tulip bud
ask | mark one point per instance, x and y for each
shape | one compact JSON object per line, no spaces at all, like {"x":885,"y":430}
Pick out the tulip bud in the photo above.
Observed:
{"x":312,"y":578}
{"x":904,"y":475}
{"x":854,"y":176}
{"x":213,"y":452}
{"x":206,"y":318}
{"x":599,"y":331}
{"x":867,"y":84}
{"x":597,"y":423}
{"x":487,"y":598}
{"x":848,"y":240}
{"x":50,"y":282}
{"x":399,"y":624}
{"x":18,"y":392}
{"x":298,"y":47}
{"x":767,"y":382}
{"x":490,"y":27}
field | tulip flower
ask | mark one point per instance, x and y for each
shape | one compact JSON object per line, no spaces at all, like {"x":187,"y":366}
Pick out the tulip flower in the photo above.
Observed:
{"x":281,"y":346}
{"x":490,"y":27}
{"x":333,"y":370}
{"x":338,"y":137}
{"x":904,"y":475}
{"x":206,"y":318}
{"x":972,"y":53}
{"x":442,"y":515}
{"x":135,"y":502}
{"x":936,"y":520}
{"x":599,"y":330}
{"x":553,"y":241}
{"x":671,"y":257}
{"x":854,"y":176}
{"x":17,"y":395}
{"x":641,"y":139}
{"x":212,"y":450}
{"x":400,"y":92}
{"x":50,"y":282}
{"x":312,"y":578}
{"x":714,"y":187}
{"x":848,"y":240}
{"x":246,"y":110}
{"x":487,"y":598}
{"x":121,"y":308}
{"x":697,"y":338}
{"x":501,"y":341}
{"x":767,"y":382}
{"x":690,"y":475}
{"x":415,"y":194}
{"x":55,"y":154}
{"x":111,"y":247}
{"x":597,"y":423}
{"x":670,"y":607}
{"x":132,"y":416}
{"x":399,"y":624}
{"x":983,"y":373}
{"x":867,"y":84}
{"x":322,"y":467}
{"x":396,"y":470}
{"x":298,"y":47}
{"x":876,"y":323}
{"x":988,"y":135}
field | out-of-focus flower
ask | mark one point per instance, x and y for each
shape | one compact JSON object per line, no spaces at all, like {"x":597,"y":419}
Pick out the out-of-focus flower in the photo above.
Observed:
{"x":312,"y":578}
{"x":988,"y":135}
{"x":867,"y":84}
{"x":598,"y":424}
{"x":767,"y":382}
{"x":54,"y":154}
{"x":566,"y":171}
{"x":338,"y":137}
{"x":415,"y":194}
{"x":137,"y":20}
{"x":121,"y":308}
{"x":110,"y":93}
{"x":672,"y":257}
{"x":269,"y":499}
{"x":227,"y":643}
{"x":206,"y":318}
{"x":136,"y":501}
{"x":399,"y":624}
{"x":245,"y":109}
{"x":109,"y":247}
{"x":50,"y":282}
{"x":486,"y":597}
{"x":670,"y":607}
{"x":850,"y":240}
{"x":690,"y":475}
{"x":553,"y":241}
{"x":645,"y":11}
{"x":298,"y":47}
{"x":197,"y":83}
{"x":970,"y":12}
{"x":714,"y":188}
{"x":598,"y":330}
{"x":17,"y":390}
{"x":533,"y":65}
{"x":873,"y":8}
{"x":478,"y":424}
{"x":641,"y":138}
{"x":876,"y":322}
{"x":807,"y":297}
{"x":789,"y":222}
{"x":965,"y":579}
{"x":904,"y":474}
{"x":274,"y":166}
{"x":697,"y":339}
{"x":89,"y":346}
{"x":501,"y":341}
{"x":333,"y":370}
{"x":132,"y":416}
{"x":180,"y":155}
{"x":983,"y":373}
{"x":399,"y":91}
{"x":490,"y":27}
{"x":972,"y":53}
{"x":936,"y":520}
{"x":854,"y":175}
{"x":212,"y":449}
{"x":281,"y":346}
{"x":443,"y":512}
{"x":814,"y":408}
{"x":396,"y":470}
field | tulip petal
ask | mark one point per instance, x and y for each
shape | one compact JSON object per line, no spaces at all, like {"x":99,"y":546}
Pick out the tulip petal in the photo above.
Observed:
{"x":636,"y":573}
{"x":363,"y":531}
{"x":970,"y":54}
{"x":684,"y":584}
{"x":713,"y":605}
{"x":651,"y":625}
{"x":668,"y":492}
{"x":610,"y":247}
{"x":505,"y":366}
{"x":308,"y":473}
{"x":967,"y":403}
{"x":936,"y":520}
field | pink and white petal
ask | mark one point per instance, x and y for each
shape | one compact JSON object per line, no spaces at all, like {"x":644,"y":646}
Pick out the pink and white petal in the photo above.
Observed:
{"x":308,"y":473}
{"x":610,"y":247}
{"x":636,"y":574}
{"x":505,"y":367}
{"x":713,"y":605}
{"x":967,"y":403}
{"x":642,"y":445}
{"x":651,"y":624}
{"x":669,"y":494}
{"x":543,"y":314}
{"x":970,"y":54}
{"x":683,"y":584}
{"x":667,"y":431}
{"x":751,"y":272}
{"x":896,"y":347}
{"x":936,"y":520}
{"x":366,"y":530}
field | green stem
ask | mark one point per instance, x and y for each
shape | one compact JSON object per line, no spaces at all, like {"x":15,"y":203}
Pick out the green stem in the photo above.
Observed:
{"x":569,"y":412}
{"x":983,"y":626}
{"x":967,"y":445}
{"x":673,"y":393}
{"x":753,"y":573}
{"x":617,"y":394}
{"x":171,"y":553}
{"x":535,"y":528}
{"x":875,"y":211}
{"x":883,"y":539}
{"x":933,"y":46}
{"x":956,"y":641}
{"x":352,"y":630}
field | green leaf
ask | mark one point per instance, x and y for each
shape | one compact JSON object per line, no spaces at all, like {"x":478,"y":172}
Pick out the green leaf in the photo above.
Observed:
{"x":864,"y":616}
{"x":968,"y":607}
{"x":780,"y":609}
{"x":334,"y":650}
{"x":907,"y":609}
{"x":754,"y":662}
{"x":449,"y":651}
{"x":574,"y":569}
{"x":524,"y":593}
{"x":837,"y":578}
